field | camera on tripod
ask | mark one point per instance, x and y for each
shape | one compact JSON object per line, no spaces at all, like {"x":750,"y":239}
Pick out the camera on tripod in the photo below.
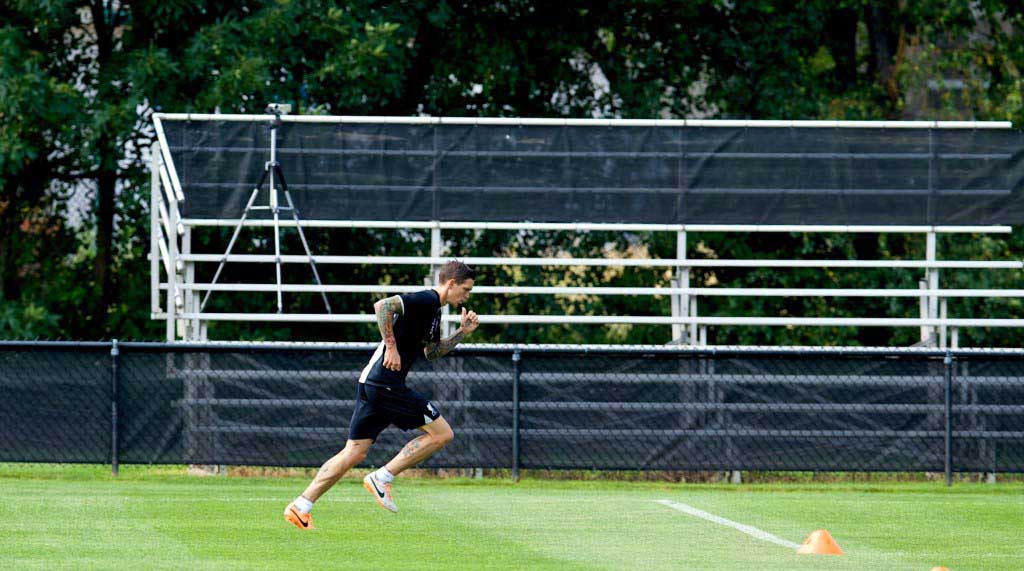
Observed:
{"x":273,"y":174}
{"x":279,"y":108}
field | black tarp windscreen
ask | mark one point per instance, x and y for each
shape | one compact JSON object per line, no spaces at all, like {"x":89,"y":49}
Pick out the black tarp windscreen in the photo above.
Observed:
{"x":582,"y":173}
{"x":571,"y":408}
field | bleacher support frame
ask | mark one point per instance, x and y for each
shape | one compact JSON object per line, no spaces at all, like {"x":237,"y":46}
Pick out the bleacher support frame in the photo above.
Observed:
{"x":175,"y":293}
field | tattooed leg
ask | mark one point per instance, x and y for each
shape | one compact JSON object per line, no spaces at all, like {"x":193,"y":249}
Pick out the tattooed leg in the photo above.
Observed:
{"x":413,"y":447}
{"x":438,"y":434}
{"x":336,"y":467}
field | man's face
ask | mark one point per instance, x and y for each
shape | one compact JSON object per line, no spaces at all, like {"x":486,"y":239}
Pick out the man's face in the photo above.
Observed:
{"x":458,"y":293}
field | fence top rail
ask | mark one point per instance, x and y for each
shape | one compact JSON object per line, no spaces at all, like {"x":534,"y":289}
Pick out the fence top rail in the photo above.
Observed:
{"x":595,"y":226}
{"x":507,"y":348}
{"x":524,"y":121}
{"x":61,"y":345}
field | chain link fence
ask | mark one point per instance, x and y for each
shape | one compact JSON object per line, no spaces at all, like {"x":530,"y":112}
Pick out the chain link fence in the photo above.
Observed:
{"x":519,"y":407}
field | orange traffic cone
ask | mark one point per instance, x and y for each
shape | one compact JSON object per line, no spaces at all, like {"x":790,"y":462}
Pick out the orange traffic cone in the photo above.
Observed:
{"x":819,"y":543}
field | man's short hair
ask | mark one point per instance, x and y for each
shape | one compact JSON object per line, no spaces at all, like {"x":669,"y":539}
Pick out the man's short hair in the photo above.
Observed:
{"x":456,"y":270}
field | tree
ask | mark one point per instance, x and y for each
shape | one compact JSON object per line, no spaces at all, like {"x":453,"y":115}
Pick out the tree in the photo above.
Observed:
{"x":79,"y":80}
{"x":36,"y":110}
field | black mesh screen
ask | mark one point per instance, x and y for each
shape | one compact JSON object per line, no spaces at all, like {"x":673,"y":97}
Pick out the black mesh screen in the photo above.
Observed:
{"x":55,"y":404}
{"x":712,"y":175}
{"x":633,"y":409}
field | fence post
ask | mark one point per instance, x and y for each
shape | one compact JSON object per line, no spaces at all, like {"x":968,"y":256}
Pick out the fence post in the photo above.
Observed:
{"x":948,"y":365}
{"x":516,"y":357}
{"x":114,"y":357}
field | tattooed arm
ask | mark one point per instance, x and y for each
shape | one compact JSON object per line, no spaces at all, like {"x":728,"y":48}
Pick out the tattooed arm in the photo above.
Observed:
{"x":434,"y":351}
{"x":386,"y":310}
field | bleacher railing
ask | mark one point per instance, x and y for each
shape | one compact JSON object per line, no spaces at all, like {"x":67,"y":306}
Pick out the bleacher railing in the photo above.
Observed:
{"x":687,"y":324}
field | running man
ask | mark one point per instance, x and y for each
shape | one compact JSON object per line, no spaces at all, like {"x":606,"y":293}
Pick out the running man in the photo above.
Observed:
{"x":410,"y":325}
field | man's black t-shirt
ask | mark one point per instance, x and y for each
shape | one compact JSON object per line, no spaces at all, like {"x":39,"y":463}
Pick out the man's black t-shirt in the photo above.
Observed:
{"x":419,"y":324}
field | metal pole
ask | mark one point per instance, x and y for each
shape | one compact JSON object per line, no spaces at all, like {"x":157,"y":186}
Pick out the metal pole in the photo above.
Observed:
{"x":944,"y":329}
{"x":516,"y":358}
{"x":923,"y":285}
{"x":114,"y":353}
{"x":436,"y":247}
{"x":681,"y":304}
{"x":692,"y":339}
{"x":274,"y":208}
{"x":174,"y":299}
{"x":933,"y":281}
{"x":191,"y":298}
{"x":948,"y":365}
{"x":677,"y":329}
{"x":154,"y":221}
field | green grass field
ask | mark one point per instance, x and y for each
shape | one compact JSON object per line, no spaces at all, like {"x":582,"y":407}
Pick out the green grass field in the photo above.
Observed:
{"x":81,"y":518}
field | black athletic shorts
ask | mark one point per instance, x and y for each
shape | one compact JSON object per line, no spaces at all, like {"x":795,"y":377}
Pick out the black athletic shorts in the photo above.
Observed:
{"x":379,"y":406}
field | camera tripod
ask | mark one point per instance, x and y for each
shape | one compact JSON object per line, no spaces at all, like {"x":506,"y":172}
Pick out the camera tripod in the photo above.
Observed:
{"x":272,"y":173}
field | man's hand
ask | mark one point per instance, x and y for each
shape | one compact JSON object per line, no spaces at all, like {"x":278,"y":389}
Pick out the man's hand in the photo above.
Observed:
{"x":469,"y":321}
{"x":437,"y":350}
{"x":392,"y":360}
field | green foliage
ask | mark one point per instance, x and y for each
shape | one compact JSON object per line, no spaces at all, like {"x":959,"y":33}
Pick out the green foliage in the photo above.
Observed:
{"x":78,"y":80}
{"x":29,"y":321}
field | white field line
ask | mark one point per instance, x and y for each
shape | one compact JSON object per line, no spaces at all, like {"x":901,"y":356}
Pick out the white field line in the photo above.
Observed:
{"x":749,"y":530}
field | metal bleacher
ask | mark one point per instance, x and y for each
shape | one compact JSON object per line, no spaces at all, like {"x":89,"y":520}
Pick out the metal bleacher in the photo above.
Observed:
{"x":708,"y":411}
{"x":176,"y":294}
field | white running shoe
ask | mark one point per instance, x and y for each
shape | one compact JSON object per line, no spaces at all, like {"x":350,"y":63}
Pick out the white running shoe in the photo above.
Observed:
{"x":380,"y":492}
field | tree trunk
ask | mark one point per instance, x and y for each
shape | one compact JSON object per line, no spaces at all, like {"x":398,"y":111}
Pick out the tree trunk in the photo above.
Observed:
{"x":106,"y":184}
{"x":106,"y":179}
{"x":428,"y":44}
{"x":842,"y":40}
{"x":8,"y":209}
{"x":883,"y":34}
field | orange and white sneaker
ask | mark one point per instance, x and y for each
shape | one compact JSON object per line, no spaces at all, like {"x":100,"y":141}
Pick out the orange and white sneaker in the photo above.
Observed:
{"x":380,"y":492}
{"x":300,"y":520}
